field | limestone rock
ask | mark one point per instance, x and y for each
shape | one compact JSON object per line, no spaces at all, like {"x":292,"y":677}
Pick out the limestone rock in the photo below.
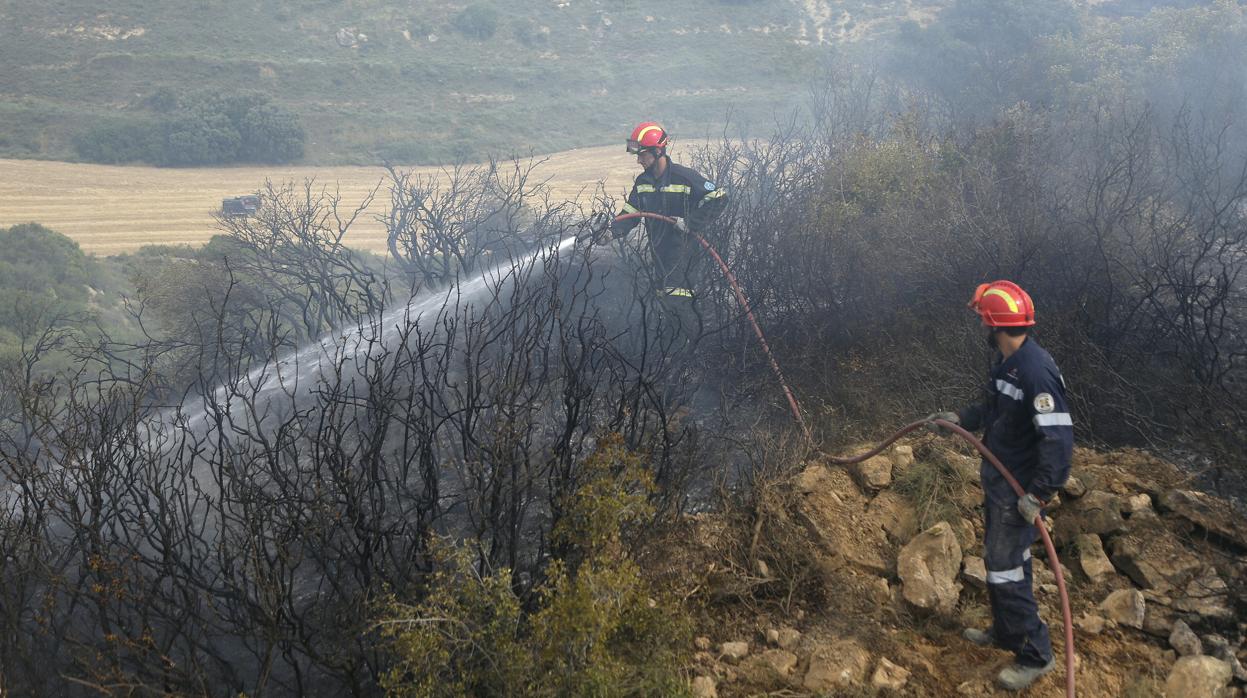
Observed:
{"x":781,"y":661}
{"x":347,"y":37}
{"x":894,"y":514}
{"x":1209,"y":513}
{"x":873,"y":474}
{"x":1184,"y":641}
{"x":734,"y":651}
{"x":839,"y":665}
{"x":702,"y":643}
{"x":1158,"y":622}
{"x":902,"y":457}
{"x":789,"y":638}
{"x":1043,"y":574}
{"x":1125,"y":607}
{"x":1095,"y":512}
{"x":1090,"y":623}
{"x":1074,"y":488}
{"x":928,"y":567}
{"x":834,"y":513}
{"x":888,"y":676}
{"x":772,"y":636}
{"x":704,"y":687}
{"x":1155,"y":560}
{"x":1136,"y":503}
{"x":974,"y":571}
{"x":1198,"y":677}
{"x":1095,"y":564}
{"x":1226,"y":654}
{"x":880,"y":591}
{"x":1206,"y":595}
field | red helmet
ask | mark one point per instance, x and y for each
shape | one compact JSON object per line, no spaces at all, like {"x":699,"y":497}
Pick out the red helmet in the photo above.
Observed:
{"x":1003,"y":304}
{"x":646,"y":136}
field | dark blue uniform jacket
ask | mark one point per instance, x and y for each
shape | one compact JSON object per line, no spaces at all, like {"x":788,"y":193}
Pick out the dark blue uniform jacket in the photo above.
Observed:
{"x":1026,"y":423}
{"x":680,"y":193}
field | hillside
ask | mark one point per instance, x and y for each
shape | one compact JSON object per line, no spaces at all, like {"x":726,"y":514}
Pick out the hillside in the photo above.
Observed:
{"x":419,"y":82}
{"x":860,"y":579}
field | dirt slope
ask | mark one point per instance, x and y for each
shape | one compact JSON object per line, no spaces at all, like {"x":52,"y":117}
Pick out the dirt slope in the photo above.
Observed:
{"x":820,"y":599}
{"x":114,"y":209}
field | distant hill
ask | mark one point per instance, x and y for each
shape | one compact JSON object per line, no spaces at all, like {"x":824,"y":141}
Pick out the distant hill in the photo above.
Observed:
{"x":420,"y":81}
{"x":428,"y":82}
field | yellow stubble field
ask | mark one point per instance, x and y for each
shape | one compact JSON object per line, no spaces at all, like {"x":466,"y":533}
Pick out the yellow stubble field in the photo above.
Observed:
{"x":114,"y":209}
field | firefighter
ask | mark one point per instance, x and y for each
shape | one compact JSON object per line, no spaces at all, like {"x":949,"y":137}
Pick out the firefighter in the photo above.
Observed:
{"x":675,"y":191}
{"x":1027,"y":425}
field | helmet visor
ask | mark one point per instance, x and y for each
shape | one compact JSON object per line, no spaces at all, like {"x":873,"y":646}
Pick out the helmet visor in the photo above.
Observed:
{"x":634,"y":147}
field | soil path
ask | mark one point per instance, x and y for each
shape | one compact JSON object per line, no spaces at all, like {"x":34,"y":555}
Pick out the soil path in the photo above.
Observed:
{"x":115,"y":209}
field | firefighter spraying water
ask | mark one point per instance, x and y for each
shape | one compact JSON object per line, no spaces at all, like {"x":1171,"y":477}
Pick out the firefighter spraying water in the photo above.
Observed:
{"x":1028,"y":433}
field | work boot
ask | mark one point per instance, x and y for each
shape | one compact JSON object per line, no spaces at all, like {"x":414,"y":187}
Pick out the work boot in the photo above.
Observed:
{"x":982,"y":638}
{"x":1015,"y":677}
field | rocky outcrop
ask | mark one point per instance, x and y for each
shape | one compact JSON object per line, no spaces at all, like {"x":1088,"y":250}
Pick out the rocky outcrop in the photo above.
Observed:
{"x":974,"y":572}
{"x":1198,"y":677}
{"x":1125,"y":607}
{"x":769,"y":667}
{"x":894,"y":514}
{"x":836,"y":666}
{"x":1091,"y":558}
{"x":873,"y":474}
{"x":1206,"y":595}
{"x":1213,"y":515}
{"x":1184,"y":641}
{"x":889,"y":676}
{"x":1136,"y":503}
{"x":734,"y":651}
{"x":928,"y":567}
{"x":788,"y":638}
{"x":833,"y":510}
{"x":1095,"y":512}
{"x":1155,"y":560}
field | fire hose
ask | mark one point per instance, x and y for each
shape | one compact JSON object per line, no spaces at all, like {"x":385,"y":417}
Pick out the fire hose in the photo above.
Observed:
{"x":744,"y":304}
{"x":1053,"y":561}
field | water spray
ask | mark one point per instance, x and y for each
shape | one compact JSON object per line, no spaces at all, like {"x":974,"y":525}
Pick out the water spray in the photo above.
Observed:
{"x":744,"y":304}
{"x":1053,"y":562}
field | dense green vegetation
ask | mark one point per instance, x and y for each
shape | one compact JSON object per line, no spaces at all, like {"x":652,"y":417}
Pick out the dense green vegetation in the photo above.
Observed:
{"x":423,"y":82}
{"x":197,"y":130}
{"x":45,"y":283}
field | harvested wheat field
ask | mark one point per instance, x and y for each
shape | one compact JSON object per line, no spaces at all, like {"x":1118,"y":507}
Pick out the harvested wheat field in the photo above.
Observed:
{"x":114,"y":209}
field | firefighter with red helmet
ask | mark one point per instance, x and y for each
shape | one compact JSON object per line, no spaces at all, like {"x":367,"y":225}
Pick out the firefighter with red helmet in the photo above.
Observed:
{"x":674,"y":191}
{"x":1026,"y":423}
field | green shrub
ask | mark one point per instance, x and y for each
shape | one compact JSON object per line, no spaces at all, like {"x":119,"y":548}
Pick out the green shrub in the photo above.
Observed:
{"x":598,"y":627}
{"x":477,"y":21}
{"x":200,"y":138}
{"x":121,"y":140}
{"x":43,"y":275}
{"x":270,"y":134}
{"x":205,"y":129}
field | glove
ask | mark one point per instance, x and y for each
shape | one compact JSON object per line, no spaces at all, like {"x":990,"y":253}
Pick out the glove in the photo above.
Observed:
{"x":681,"y":225}
{"x":941,"y":430}
{"x":1029,"y":507}
{"x":599,"y":225}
